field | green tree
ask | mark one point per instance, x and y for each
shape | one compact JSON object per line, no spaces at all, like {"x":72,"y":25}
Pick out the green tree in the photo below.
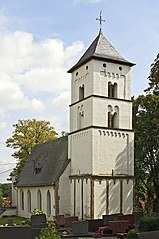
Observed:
{"x":146,"y":127}
{"x":154,"y":77}
{"x":64,"y":133}
{"x":1,"y":199}
{"x":26,"y":134}
{"x":6,"y":189}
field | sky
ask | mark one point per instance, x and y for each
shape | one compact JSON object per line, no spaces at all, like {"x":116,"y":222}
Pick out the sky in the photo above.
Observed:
{"x":41,"y":39}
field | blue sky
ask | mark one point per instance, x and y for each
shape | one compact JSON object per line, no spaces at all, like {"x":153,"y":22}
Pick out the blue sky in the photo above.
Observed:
{"x":40,"y":40}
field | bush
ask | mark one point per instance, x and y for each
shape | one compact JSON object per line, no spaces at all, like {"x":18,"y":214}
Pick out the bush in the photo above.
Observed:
{"x":48,"y":233}
{"x":107,"y":230}
{"x":148,"y":223}
{"x":132,"y":234}
{"x":37,"y":211}
{"x":26,"y":222}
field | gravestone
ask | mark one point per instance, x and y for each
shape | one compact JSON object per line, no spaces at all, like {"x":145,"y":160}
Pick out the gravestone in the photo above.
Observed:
{"x":69,"y":220}
{"x":129,"y":217}
{"x":10,"y":222}
{"x":80,"y":228}
{"x":38,"y":221}
{"x":111,"y":217}
{"x":60,"y":220}
{"x":119,"y":226}
{"x":94,"y":224}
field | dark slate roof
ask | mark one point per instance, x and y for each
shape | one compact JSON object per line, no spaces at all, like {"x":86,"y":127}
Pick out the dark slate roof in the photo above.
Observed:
{"x":102,"y":49}
{"x":45,"y":164}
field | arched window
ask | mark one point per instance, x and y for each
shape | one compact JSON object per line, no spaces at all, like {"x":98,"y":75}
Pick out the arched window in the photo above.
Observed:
{"x":29,"y":200}
{"x":116,"y":117}
{"x":21,"y":199}
{"x":115,"y":90}
{"x":112,"y":90}
{"x":110,"y":110}
{"x":81,"y":92}
{"x":39,"y":200}
{"x":48,"y":203}
{"x":110,"y":120}
{"x":113,"y":117}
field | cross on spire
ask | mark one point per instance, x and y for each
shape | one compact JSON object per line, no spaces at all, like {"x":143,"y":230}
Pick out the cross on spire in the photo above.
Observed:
{"x":100,"y":20}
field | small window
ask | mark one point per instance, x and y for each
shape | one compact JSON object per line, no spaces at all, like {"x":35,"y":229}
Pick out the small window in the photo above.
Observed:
{"x":112,"y":90}
{"x":115,"y":90}
{"x":120,"y":68}
{"x":39,"y":200}
{"x":29,"y":200}
{"x":48,"y":203}
{"x":113,"y":117}
{"x":104,"y":65}
{"x":110,"y":120}
{"x":86,"y":67}
{"x":77,"y":73}
{"x":81,"y":92}
{"x":22,"y":200}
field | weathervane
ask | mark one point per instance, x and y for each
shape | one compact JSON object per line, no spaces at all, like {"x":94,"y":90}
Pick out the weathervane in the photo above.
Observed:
{"x":100,"y":20}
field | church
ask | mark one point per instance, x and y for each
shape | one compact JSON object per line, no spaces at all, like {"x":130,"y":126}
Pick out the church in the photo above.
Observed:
{"x":90,"y":172}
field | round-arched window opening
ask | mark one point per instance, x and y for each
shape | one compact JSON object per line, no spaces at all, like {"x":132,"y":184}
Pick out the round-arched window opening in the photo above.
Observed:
{"x":86,"y":67}
{"x":77,"y":73}
{"x":104,"y":65}
{"x":120,"y":68}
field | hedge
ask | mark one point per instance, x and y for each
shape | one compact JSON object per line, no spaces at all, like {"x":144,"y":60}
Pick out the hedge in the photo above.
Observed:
{"x":148,"y":223}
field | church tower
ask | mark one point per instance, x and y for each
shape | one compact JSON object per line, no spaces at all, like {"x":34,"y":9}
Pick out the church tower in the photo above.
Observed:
{"x":101,"y":139}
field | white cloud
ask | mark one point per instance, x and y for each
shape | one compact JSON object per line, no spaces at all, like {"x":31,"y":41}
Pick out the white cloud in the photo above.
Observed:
{"x":62,"y":100}
{"x":37,"y":105}
{"x":28,"y":68}
{"x":32,"y":73}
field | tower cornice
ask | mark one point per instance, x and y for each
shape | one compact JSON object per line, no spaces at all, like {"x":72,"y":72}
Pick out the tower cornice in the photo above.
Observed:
{"x":98,"y":96}
{"x":100,"y":127}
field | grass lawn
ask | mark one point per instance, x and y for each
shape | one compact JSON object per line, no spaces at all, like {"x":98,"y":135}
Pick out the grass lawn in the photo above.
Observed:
{"x":16,"y":220}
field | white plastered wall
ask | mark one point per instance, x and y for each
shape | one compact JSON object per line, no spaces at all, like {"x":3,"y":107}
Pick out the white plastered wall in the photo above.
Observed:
{"x":115,"y":205}
{"x":64,"y":192}
{"x":99,"y":198}
{"x":111,"y":73}
{"x":96,"y":78}
{"x":34,"y":190}
{"x":80,"y":152}
{"x":78,"y":198}
{"x":112,"y":152}
{"x":80,"y":77}
{"x":128,"y":196}
{"x":114,"y":197}
{"x":100,"y":112}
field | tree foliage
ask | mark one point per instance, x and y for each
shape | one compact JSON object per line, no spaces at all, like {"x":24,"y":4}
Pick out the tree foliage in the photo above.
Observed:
{"x":146,"y":127}
{"x":1,"y":199}
{"x":26,"y":134}
{"x":6,"y":189}
{"x":154,"y":77}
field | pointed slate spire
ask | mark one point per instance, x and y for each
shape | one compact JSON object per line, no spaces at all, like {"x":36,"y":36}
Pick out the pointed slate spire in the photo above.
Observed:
{"x":101,"y":49}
